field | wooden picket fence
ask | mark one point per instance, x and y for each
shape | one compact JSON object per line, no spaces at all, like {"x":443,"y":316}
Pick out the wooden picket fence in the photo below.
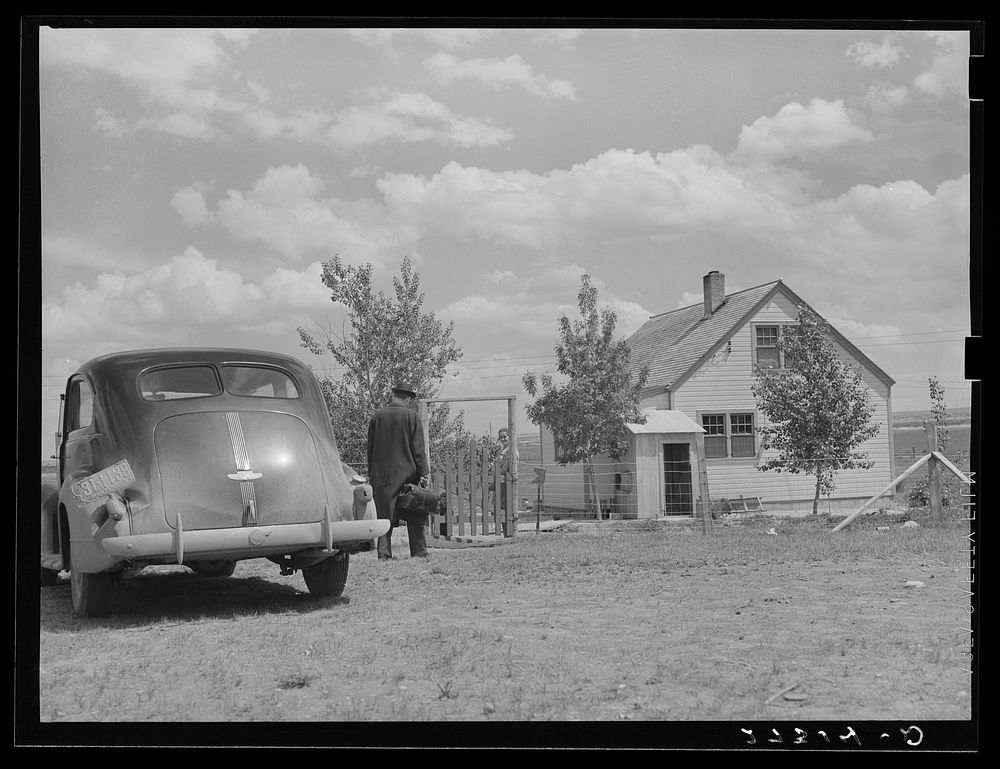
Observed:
{"x":472,"y":509}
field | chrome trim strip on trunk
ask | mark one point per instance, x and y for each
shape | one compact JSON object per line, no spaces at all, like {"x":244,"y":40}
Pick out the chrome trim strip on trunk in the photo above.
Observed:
{"x":240,"y":454}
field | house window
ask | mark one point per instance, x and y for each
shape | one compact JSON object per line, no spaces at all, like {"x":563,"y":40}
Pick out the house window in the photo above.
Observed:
{"x":558,"y":446}
{"x":766,"y":352}
{"x":741,"y":429}
{"x":715,"y":435}
{"x":729,"y":435}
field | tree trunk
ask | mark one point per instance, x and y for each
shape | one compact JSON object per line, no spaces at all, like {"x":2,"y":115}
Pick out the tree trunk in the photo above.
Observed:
{"x":593,"y":504}
{"x":816,"y":497}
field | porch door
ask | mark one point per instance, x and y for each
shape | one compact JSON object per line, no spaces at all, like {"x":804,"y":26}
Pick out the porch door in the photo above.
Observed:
{"x":678,"y":495}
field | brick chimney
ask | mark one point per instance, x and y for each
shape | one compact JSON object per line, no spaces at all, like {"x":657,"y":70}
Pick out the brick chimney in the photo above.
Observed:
{"x":714,"y":285}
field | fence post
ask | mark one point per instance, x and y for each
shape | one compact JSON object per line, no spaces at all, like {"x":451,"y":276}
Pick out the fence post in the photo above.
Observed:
{"x":473,"y":454}
{"x":703,"y":493}
{"x":459,"y":483}
{"x":484,"y":485}
{"x":512,"y":474}
{"x":933,"y":473}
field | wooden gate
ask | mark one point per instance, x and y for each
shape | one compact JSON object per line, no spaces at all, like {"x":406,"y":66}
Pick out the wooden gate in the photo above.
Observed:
{"x":473,"y":496}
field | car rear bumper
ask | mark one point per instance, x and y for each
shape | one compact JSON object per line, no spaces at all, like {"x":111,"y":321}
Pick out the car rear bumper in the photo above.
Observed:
{"x":244,"y":542}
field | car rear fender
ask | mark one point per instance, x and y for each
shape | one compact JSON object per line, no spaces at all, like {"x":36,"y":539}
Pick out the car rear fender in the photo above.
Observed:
{"x":89,"y":524}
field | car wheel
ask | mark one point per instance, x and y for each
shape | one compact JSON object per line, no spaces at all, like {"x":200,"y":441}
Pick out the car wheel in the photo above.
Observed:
{"x":327,"y":577}
{"x":91,"y":593}
{"x":213,"y":568}
{"x":49,"y":577}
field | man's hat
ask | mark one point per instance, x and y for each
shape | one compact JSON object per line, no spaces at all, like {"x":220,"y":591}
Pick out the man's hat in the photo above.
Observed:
{"x":404,"y":387}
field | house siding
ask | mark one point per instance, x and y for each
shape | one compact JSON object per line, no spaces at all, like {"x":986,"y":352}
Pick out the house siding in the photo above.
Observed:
{"x":564,"y":489}
{"x":722,"y":384}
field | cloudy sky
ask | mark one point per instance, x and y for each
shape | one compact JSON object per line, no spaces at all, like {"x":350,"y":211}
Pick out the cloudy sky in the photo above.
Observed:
{"x":193,"y":181}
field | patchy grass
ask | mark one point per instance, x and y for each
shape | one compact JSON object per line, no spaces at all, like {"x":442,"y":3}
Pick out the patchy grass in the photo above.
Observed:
{"x":622,"y":621}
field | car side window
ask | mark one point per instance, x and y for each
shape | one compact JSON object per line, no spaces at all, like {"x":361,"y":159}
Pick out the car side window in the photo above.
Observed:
{"x":176,"y":382}
{"x":80,"y":413}
{"x":259,"y":382}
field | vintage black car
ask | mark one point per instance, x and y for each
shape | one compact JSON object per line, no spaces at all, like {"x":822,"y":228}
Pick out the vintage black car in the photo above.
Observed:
{"x":201,"y":457}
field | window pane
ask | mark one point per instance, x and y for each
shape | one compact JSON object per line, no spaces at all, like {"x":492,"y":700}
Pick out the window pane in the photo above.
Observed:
{"x":767,"y":336}
{"x":742,"y":424}
{"x":258,"y":382}
{"x":768,"y":357}
{"x":179,"y":382}
{"x":714,"y":424}
{"x":715,"y":446}
{"x":743,"y":446}
{"x":86,"y":414}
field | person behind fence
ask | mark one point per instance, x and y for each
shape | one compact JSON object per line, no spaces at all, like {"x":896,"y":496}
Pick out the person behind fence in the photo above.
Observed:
{"x":397,"y":456}
{"x":508,"y":468}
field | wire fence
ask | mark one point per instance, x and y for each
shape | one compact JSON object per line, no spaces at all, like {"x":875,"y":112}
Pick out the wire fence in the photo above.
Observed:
{"x":565,"y":485}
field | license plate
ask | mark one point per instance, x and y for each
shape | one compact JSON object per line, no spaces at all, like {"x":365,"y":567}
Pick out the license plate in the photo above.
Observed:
{"x":104,"y":482}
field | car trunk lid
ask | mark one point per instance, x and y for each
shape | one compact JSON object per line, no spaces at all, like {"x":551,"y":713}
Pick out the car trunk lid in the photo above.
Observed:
{"x":238,"y":468}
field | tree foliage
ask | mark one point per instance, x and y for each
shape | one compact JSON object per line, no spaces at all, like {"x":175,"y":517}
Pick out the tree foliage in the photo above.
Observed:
{"x":383,"y":339}
{"x":590,"y":410}
{"x":817,"y":408}
{"x":919,"y":494}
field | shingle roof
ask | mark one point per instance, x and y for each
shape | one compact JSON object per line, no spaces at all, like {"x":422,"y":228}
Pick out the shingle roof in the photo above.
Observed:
{"x":673,"y":343}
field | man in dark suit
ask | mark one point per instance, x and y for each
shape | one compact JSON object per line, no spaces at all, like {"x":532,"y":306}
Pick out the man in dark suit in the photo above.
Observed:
{"x":396,"y":456}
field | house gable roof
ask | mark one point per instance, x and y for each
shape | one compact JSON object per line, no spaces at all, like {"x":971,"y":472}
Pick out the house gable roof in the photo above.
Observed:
{"x":675,"y":344}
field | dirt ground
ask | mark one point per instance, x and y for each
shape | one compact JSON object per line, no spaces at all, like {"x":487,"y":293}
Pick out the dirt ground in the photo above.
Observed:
{"x":755,"y":624}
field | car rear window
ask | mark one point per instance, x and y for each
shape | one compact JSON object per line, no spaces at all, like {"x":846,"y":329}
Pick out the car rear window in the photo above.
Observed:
{"x":179,"y":382}
{"x":259,"y":382}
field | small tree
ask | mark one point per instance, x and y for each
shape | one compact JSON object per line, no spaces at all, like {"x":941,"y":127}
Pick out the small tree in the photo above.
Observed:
{"x":384,"y":339}
{"x":919,"y":494}
{"x":590,"y":411}
{"x":817,"y":408}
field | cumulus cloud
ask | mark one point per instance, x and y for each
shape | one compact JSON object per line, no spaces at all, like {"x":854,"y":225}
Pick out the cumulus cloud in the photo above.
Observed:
{"x":499,"y":74}
{"x":885,"y":98}
{"x":190,"y":204}
{"x":890,"y":234}
{"x":949,"y":71}
{"x":167,"y":66}
{"x":531,"y":303}
{"x":171,"y":302}
{"x":798,"y":131}
{"x":285,"y":209}
{"x":180,"y":75}
{"x":671,"y":195}
{"x":410,"y":117}
{"x":869,"y":54}
{"x":620,"y":191}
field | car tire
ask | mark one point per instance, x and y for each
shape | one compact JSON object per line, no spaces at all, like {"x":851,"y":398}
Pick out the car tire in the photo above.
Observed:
{"x":213,"y":569}
{"x":49,"y":577}
{"x":91,"y":593}
{"x":328,"y":577}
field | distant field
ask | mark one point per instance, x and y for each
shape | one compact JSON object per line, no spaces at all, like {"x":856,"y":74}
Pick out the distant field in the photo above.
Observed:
{"x":917,"y":418}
